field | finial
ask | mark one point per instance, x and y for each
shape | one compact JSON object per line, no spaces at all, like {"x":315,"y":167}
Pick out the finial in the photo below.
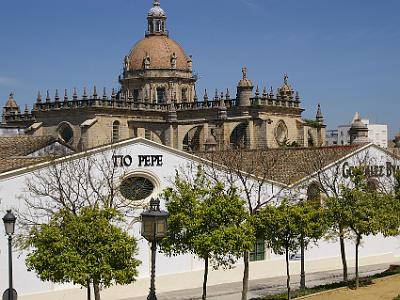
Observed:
{"x":195,"y":99}
{"x":113,"y":94}
{"x":94,"y":92}
{"x":257,"y":92}
{"x":75,"y":94}
{"x":297,"y":97}
{"x":104,"y":94}
{"x":84,"y":96}
{"x":265,"y":94}
{"x":39,"y":97}
{"x":244,"y":72}
{"x":48,"y":96}
{"x":227,"y":95}
{"x":205,"y":96}
{"x":57,"y":97}
{"x":319,"y":116}
{"x":65,"y":95}
{"x":156,"y":2}
{"x":285,"y":78}
{"x":222,"y":95}
{"x":26,"y":109}
{"x":271,"y":92}
{"x":216,"y":95}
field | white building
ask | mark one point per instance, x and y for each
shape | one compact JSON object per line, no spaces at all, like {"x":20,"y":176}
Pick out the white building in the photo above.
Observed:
{"x":377,"y":134}
{"x":155,"y":165}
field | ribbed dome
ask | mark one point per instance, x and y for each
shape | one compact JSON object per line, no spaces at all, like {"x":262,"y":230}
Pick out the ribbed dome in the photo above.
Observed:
{"x":160,"y":49}
{"x":156,"y":10}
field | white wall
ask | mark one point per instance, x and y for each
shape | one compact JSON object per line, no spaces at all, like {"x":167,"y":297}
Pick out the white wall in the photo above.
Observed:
{"x":12,"y":187}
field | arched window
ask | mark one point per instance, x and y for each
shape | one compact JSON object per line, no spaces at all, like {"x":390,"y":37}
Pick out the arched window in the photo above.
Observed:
{"x":184,"y":94}
{"x":238,"y":137}
{"x":160,"y":95}
{"x":115,"y":131}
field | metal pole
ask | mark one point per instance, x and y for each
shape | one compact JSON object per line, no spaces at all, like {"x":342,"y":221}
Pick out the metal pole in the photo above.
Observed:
{"x":302,"y":270}
{"x":152,"y":294}
{"x":10,"y":268}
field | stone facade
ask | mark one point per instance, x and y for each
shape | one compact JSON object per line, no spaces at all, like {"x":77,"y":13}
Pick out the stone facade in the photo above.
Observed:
{"x":158,"y":100}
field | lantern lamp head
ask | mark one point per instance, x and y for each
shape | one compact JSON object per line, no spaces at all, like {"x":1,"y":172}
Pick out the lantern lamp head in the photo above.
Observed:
{"x":9,"y":222}
{"x":154,"y":222}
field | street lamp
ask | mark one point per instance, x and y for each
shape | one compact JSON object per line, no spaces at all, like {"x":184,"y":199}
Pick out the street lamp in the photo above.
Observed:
{"x":154,"y":229}
{"x":9,"y":224}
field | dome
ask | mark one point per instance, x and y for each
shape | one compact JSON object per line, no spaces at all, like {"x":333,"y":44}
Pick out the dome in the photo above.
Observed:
{"x":156,"y":11}
{"x":245,"y":82}
{"x":11,"y":102}
{"x":357,"y":123}
{"x":286,"y":88}
{"x":160,"y":50}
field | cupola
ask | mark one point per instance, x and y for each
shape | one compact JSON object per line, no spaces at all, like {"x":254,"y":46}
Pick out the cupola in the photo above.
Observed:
{"x":244,"y":90}
{"x":156,"y":19}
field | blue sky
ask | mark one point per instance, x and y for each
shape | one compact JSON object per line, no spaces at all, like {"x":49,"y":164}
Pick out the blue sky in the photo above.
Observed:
{"x":343,"y":54}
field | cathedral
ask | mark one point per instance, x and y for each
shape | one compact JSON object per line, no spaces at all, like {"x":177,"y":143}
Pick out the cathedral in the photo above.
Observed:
{"x":157,"y":100}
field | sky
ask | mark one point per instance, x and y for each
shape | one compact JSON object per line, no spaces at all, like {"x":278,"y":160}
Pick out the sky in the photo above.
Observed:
{"x":343,"y":54}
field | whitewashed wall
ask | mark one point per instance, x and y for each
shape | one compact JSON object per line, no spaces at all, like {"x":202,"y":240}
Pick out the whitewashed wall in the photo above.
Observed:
{"x":13,"y":185}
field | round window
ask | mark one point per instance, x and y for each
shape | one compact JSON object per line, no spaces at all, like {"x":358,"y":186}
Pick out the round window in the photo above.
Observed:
{"x":66,"y":133}
{"x":136,"y":188}
{"x":281,"y":132}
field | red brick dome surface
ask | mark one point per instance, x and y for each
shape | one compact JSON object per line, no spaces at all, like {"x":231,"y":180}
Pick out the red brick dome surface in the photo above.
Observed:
{"x":160,"y":49}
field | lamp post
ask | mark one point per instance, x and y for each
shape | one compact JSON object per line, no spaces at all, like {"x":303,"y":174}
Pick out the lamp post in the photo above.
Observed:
{"x":154,"y":229}
{"x":9,"y":224}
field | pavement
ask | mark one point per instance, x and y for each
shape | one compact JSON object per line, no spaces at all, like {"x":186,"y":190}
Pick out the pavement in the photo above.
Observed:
{"x":262,"y":287}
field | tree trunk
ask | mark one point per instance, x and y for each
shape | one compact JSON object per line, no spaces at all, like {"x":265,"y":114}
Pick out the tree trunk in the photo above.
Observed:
{"x":245,"y":275}
{"x":343,"y":253}
{"x":287,"y":273}
{"x":204,"y":296}
{"x":302,"y":269}
{"x":357,"y":276}
{"x":88,"y":290}
{"x":96,"y":288}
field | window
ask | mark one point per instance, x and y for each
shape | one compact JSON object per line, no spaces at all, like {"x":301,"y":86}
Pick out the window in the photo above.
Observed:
{"x":66,"y":133}
{"x":160,"y":95}
{"x":135,"y":94}
{"x":184,"y":94}
{"x":115,"y":131}
{"x":281,"y":133}
{"x":258,"y":252}
{"x":136,"y":188}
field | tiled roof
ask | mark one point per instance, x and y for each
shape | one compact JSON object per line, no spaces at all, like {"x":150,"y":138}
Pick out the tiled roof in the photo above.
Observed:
{"x":12,"y":163}
{"x":14,"y":151}
{"x":285,"y":165}
{"x":23,"y":145}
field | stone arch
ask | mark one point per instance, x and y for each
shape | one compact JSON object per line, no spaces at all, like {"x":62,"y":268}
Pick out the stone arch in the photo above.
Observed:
{"x":192,"y":140}
{"x":152,"y":136}
{"x":239,"y":136}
